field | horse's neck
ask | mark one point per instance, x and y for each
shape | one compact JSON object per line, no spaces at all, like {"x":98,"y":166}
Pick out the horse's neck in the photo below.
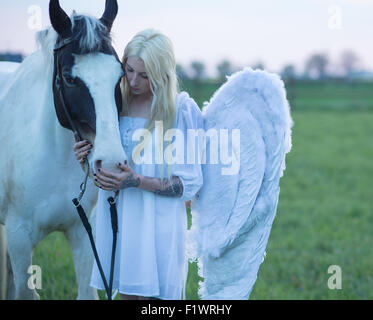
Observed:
{"x":53,"y":135}
{"x":33,"y":114}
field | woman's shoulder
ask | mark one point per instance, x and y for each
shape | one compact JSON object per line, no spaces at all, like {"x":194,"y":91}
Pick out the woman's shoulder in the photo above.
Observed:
{"x":187,"y":103}
{"x":187,"y":109}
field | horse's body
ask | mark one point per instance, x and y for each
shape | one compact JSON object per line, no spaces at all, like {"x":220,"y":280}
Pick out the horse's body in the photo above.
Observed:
{"x":39,"y":175}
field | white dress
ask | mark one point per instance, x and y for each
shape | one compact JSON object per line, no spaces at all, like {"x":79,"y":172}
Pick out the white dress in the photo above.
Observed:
{"x":150,"y":256}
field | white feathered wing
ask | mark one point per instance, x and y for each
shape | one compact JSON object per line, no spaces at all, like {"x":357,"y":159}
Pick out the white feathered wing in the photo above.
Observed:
{"x":232,"y":214}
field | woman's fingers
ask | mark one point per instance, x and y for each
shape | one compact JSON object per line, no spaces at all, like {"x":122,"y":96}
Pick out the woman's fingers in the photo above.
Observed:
{"x":82,"y":155}
{"x":82,"y":158}
{"x":108,"y":188}
{"x":108,"y":174}
{"x":106,"y":180}
{"x":106,"y":184}
{"x":82,"y":149}
{"x":124,"y":167}
{"x":86,"y":148}
{"x":81,"y":144}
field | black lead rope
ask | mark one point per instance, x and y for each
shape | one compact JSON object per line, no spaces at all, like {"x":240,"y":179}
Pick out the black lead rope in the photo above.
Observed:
{"x":88,"y":228}
{"x":114,"y":225}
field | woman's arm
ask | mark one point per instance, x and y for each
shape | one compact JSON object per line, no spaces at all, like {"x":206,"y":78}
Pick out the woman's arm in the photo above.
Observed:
{"x":164,"y":187}
{"x":128,"y":178}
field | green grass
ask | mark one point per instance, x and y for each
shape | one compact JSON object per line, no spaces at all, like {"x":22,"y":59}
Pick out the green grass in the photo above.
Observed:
{"x":325,"y":212}
{"x":331,"y":95}
{"x":324,"y":216}
{"x":306,"y":95}
{"x":54,"y":256}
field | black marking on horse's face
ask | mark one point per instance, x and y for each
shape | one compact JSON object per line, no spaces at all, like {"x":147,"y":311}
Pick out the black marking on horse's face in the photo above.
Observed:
{"x":75,"y":95}
{"x":72,"y":91}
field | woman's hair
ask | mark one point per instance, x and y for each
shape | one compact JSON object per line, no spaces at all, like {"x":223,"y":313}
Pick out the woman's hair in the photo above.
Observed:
{"x":156,"y":50}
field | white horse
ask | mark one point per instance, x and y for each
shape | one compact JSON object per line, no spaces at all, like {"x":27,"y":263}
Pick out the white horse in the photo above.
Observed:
{"x":39,"y":174}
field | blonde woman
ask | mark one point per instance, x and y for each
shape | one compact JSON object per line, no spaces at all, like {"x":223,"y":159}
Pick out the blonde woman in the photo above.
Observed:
{"x":150,"y":258}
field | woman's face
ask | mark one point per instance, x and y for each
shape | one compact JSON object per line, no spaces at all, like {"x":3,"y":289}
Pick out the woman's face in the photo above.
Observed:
{"x":136,"y":76}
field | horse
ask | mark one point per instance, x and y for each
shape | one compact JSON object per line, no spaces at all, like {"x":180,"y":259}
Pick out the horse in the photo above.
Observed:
{"x":75,"y":73}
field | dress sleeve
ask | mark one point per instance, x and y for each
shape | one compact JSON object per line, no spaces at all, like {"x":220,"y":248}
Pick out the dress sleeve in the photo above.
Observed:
{"x":189,"y":116}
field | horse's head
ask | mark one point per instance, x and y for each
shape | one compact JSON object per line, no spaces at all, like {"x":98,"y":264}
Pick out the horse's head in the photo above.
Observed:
{"x":86,"y":81}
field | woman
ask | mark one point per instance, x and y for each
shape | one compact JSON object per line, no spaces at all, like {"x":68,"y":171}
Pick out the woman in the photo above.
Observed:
{"x":150,"y":258}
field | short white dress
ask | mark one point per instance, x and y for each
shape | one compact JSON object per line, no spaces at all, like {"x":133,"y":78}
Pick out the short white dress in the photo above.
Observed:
{"x":150,"y":256}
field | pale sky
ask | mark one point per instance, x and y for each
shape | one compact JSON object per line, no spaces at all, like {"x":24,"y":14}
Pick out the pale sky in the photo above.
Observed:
{"x":274,"y":32}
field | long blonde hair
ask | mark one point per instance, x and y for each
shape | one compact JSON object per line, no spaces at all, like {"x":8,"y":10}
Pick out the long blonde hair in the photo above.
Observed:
{"x":156,"y":50}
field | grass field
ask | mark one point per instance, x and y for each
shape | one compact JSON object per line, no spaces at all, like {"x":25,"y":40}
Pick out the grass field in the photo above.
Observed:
{"x":325,"y":212}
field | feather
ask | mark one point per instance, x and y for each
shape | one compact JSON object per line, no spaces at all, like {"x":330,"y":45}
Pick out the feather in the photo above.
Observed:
{"x":232,"y":214}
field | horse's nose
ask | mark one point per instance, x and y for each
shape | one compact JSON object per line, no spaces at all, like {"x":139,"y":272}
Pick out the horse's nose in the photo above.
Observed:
{"x":98,"y":164}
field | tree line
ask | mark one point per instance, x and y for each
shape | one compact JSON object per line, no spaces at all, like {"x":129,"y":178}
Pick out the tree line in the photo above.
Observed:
{"x":316,"y":66}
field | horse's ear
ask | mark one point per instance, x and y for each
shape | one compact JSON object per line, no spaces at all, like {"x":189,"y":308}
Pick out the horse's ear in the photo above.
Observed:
{"x":111,"y":11}
{"x":59,"y":19}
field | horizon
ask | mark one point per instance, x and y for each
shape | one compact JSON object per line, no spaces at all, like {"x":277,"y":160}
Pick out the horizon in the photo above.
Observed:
{"x":283,"y":33}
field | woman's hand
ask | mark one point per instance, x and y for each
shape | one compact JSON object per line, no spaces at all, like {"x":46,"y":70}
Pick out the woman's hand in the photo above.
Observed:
{"x":82,"y":149}
{"x":111,"y":181}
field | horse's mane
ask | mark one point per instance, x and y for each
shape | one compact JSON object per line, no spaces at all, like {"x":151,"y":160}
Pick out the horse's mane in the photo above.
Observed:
{"x":88,"y":31}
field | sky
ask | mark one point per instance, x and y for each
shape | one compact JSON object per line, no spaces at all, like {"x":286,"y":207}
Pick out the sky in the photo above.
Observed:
{"x":246,"y":32}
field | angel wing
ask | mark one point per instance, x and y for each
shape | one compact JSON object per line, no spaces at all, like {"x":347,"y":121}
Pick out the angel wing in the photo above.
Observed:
{"x":233,"y":212}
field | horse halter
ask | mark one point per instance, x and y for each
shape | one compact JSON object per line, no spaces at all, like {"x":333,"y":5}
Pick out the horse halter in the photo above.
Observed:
{"x":58,"y":80}
{"x":77,"y":201}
